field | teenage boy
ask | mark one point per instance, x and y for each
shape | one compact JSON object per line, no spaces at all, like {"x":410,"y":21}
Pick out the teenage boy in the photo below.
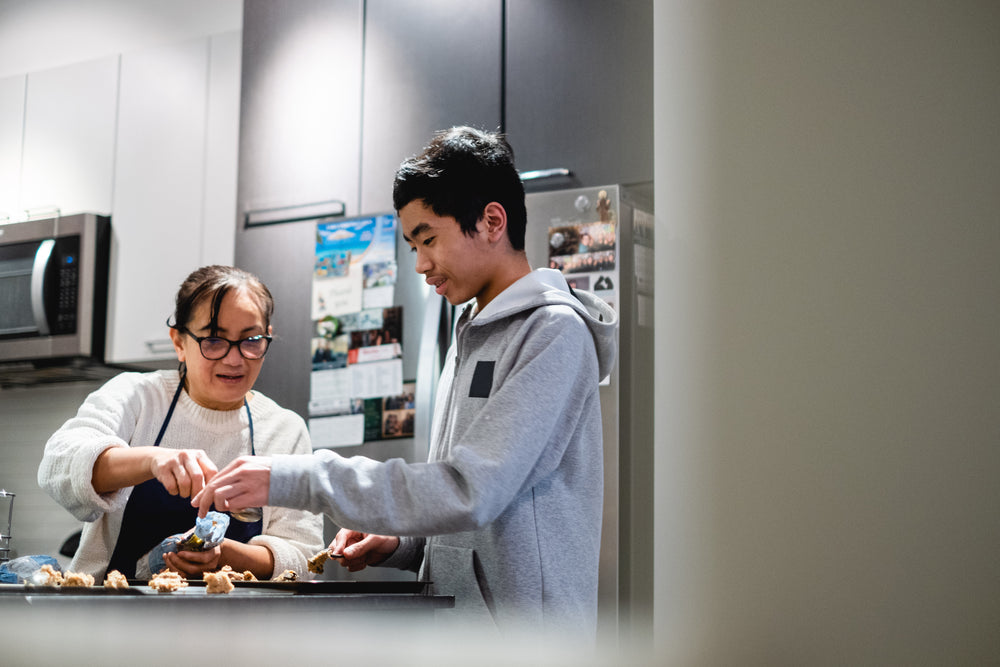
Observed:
{"x":506,"y":513}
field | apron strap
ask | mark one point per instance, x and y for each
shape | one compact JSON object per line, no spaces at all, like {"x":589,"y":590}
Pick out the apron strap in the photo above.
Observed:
{"x":170,"y":413}
{"x":250,"y":421}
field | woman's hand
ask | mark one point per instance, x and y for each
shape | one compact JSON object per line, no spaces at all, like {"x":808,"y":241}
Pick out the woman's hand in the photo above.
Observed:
{"x":256,"y":558}
{"x":182,"y":472}
{"x":359,"y":550}
{"x":192,"y":564}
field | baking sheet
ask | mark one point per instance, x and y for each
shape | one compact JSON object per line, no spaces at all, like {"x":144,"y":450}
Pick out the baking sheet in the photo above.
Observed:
{"x":241,"y":588}
{"x":24,"y":589}
{"x":339,"y":587}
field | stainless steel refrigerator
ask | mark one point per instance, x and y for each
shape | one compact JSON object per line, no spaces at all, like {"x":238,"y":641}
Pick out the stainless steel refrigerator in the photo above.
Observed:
{"x":602,"y":240}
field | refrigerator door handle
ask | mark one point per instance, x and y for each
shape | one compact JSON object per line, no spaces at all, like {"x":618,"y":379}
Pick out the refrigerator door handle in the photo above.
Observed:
{"x":434,"y":338}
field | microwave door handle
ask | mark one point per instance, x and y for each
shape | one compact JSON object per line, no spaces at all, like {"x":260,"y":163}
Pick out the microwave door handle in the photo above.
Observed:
{"x":42,"y":258}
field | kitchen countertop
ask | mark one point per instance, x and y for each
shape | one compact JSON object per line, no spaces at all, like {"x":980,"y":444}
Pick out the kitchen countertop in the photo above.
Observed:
{"x":272,"y":596}
{"x":351,"y":623}
{"x":256,"y":623}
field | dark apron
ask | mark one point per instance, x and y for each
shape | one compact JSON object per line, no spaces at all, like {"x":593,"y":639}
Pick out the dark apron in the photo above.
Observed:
{"x":152,"y":514}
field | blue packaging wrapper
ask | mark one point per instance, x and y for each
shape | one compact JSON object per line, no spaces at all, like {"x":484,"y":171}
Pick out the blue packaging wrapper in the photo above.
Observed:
{"x":19,"y":570}
{"x":169,"y":545}
{"x":208,"y":533}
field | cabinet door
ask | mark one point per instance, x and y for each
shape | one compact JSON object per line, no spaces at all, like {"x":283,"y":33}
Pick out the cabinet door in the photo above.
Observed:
{"x":300,"y":116}
{"x":222,"y":138}
{"x":69,"y":138}
{"x":158,"y":194}
{"x":175,"y":186}
{"x":580,"y":88}
{"x":11,"y":133}
{"x":428,"y":66}
{"x":300,"y":138}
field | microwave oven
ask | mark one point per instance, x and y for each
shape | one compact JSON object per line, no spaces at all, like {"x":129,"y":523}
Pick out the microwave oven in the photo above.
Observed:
{"x":54,"y":288}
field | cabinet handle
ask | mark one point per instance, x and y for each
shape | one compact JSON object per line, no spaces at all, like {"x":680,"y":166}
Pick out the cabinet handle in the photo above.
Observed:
{"x":272,"y":216}
{"x":544,"y":173}
{"x":160,"y":345}
{"x":42,"y":211}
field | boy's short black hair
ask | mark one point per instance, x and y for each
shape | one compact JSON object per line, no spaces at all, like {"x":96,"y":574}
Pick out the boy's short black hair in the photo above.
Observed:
{"x":461,"y":171}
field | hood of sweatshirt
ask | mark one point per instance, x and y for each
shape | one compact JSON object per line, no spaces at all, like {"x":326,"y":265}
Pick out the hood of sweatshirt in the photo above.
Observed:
{"x":544,"y":287}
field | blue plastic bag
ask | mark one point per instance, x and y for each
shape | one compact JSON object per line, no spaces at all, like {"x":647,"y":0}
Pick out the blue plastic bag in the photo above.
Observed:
{"x":19,"y":570}
{"x":208,"y":533}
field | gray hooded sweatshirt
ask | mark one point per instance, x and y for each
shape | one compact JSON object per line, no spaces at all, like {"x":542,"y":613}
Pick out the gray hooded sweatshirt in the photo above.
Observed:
{"x":506,"y":513}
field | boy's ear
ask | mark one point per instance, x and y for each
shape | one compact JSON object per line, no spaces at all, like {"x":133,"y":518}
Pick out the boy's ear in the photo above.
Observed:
{"x":495,"y":217}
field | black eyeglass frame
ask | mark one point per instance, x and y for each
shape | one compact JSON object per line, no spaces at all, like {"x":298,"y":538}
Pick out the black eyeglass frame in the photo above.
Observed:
{"x":237,"y":343}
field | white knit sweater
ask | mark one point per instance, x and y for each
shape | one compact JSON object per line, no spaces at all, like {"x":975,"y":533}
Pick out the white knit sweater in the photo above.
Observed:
{"x":129,"y":410}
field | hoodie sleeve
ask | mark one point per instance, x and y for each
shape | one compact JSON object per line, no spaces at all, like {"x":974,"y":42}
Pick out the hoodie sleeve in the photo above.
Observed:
{"x":291,"y":535}
{"x":517,"y":436}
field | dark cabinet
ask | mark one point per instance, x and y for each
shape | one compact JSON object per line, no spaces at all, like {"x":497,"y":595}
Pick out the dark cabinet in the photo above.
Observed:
{"x":300,"y":143}
{"x":300,"y":110}
{"x":428,"y":66}
{"x":579,"y":88}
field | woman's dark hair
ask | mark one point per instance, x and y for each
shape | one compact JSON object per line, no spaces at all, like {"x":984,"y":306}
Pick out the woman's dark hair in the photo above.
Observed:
{"x":213,"y":283}
{"x":461,"y":171}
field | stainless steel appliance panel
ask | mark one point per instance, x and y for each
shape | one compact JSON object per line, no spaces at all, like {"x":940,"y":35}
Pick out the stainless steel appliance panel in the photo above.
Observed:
{"x":626,"y":567}
{"x":54,"y":288}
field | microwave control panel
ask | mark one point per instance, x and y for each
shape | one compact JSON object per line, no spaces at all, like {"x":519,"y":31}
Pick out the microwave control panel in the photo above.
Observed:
{"x":62,"y":286}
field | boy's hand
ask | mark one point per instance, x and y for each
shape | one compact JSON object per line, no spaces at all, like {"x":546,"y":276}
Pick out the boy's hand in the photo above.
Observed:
{"x":243,"y":483}
{"x":359,"y":550}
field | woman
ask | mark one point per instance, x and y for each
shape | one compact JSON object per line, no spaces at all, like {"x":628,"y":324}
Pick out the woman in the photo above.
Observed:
{"x":144,"y":443}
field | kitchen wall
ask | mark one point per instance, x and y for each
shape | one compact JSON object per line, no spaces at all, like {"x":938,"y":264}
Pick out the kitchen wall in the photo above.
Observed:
{"x":29,"y":416}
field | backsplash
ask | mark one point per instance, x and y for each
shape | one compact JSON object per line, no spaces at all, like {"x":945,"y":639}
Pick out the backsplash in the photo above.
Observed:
{"x":29,"y":416}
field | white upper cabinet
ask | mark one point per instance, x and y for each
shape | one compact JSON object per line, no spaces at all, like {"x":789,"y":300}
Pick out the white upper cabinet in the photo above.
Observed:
{"x":222,"y":138}
{"x":11,"y":134}
{"x":175,"y":184}
{"x":68,"y":139}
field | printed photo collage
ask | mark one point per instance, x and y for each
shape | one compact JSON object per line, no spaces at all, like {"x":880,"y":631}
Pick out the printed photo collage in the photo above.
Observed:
{"x":586,"y":254}
{"x":357,"y":392}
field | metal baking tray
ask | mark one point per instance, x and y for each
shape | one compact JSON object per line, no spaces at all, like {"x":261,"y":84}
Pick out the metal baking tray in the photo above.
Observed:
{"x":26,"y":589}
{"x":140,"y":587}
{"x":337,"y":587}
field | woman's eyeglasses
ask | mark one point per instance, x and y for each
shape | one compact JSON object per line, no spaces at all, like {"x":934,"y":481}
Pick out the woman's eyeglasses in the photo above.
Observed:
{"x":214,"y":348}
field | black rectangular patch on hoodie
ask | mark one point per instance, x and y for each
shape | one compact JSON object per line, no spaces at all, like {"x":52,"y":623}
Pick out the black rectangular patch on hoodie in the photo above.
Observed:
{"x":482,"y":380}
